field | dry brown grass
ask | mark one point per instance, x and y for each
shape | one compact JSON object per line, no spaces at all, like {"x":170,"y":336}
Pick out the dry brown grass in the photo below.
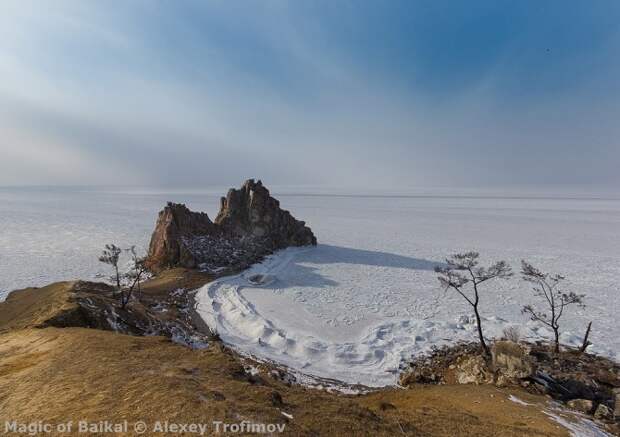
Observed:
{"x":57,"y":375}
{"x":169,"y":280}
{"x":33,"y":306}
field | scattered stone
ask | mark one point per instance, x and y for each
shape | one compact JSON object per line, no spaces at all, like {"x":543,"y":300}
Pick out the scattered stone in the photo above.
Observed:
{"x":582,"y":405}
{"x":276,"y":399}
{"x":420,"y":375}
{"x":511,"y":361}
{"x":603,"y":412}
{"x":587,"y":380}
{"x":438,"y":366}
{"x":472,"y":370}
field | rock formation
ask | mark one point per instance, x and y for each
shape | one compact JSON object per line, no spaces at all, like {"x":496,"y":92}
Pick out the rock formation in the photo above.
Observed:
{"x":249,"y":226}
{"x":251,"y":211}
{"x":586,"y":383}
{"x":176,"y":223}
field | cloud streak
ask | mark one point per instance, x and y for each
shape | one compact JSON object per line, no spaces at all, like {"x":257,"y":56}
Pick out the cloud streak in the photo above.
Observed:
{"x":347,"y":94}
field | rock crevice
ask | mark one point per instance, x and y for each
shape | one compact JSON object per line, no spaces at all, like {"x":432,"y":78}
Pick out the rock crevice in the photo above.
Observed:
{"x":249,"y":226}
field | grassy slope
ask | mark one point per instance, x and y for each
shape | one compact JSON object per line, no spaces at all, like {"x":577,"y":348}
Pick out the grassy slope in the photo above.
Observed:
{"x":34,"y":306}
{"x":54,"y":374}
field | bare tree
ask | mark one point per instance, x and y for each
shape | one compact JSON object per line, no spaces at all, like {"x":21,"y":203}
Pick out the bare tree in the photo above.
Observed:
{"x":462,"y":271}
{"x":547,"y":286}
{"x":111,"y":255}
{"x":586,"y":342}
{"x":133,"y":277}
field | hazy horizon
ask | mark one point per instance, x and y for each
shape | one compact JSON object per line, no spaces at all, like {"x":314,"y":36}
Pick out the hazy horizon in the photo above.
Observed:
{"x":402,"y":95}
{"x":562,"y":192}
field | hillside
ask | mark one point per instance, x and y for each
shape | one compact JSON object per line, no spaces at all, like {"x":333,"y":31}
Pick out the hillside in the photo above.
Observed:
{"x":53,"y":374}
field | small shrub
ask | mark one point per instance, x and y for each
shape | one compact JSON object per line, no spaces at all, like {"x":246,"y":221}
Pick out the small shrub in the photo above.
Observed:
{"x":512,"y":333}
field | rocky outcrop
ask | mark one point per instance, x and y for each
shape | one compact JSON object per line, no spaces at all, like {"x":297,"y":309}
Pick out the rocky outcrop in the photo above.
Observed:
{"x":62,"y":305}
{"x":509,"y":365}
{"x":251,"y":211}
{"x":174,"y":224}
{"x":249,"y":226}
{"x":586,"y":383}
{"x":511,"y":362}
{"x":472,"y":370}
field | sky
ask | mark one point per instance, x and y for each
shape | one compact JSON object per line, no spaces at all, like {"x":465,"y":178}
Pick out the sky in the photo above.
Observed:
{"x":339,"y":93}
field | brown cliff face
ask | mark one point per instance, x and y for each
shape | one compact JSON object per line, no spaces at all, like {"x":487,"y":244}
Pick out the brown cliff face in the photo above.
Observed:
{"x":249,"y":226}
{"x":175,"y":223}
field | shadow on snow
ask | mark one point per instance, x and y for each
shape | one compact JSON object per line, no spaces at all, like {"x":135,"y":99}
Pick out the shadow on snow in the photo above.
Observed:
{"x":301,"y":273}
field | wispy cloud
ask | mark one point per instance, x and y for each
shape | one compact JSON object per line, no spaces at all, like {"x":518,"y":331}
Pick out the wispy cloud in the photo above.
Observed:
{"x":190,"y":93}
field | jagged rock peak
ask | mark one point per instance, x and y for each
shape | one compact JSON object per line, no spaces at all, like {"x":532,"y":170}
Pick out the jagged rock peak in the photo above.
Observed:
{"x":251,"y":211}
{"x":249,"y":226}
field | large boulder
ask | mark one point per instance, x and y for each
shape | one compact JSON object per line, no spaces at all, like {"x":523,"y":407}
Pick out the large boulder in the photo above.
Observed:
{"x":511,"y":362}
{"x":603,"y":412}
{"x":472,"y":369}
{"x":249,"y":226}
{"x":582,"y":405}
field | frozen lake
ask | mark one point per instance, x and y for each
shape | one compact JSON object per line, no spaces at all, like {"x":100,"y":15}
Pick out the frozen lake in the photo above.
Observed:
{"x":367,"y":295}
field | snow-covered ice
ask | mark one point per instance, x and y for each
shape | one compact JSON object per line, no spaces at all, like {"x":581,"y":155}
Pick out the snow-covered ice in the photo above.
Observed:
{"x":367,"y":297}
{"x":57,"y":233}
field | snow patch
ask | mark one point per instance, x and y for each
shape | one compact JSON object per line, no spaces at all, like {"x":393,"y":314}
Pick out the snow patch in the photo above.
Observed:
{"x":516,"y":400}
{"x":578,"y":425}
{"x":287,"y":415}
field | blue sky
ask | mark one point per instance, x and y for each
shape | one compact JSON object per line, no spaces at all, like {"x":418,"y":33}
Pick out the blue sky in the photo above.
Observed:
{"x":339,"y":93}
